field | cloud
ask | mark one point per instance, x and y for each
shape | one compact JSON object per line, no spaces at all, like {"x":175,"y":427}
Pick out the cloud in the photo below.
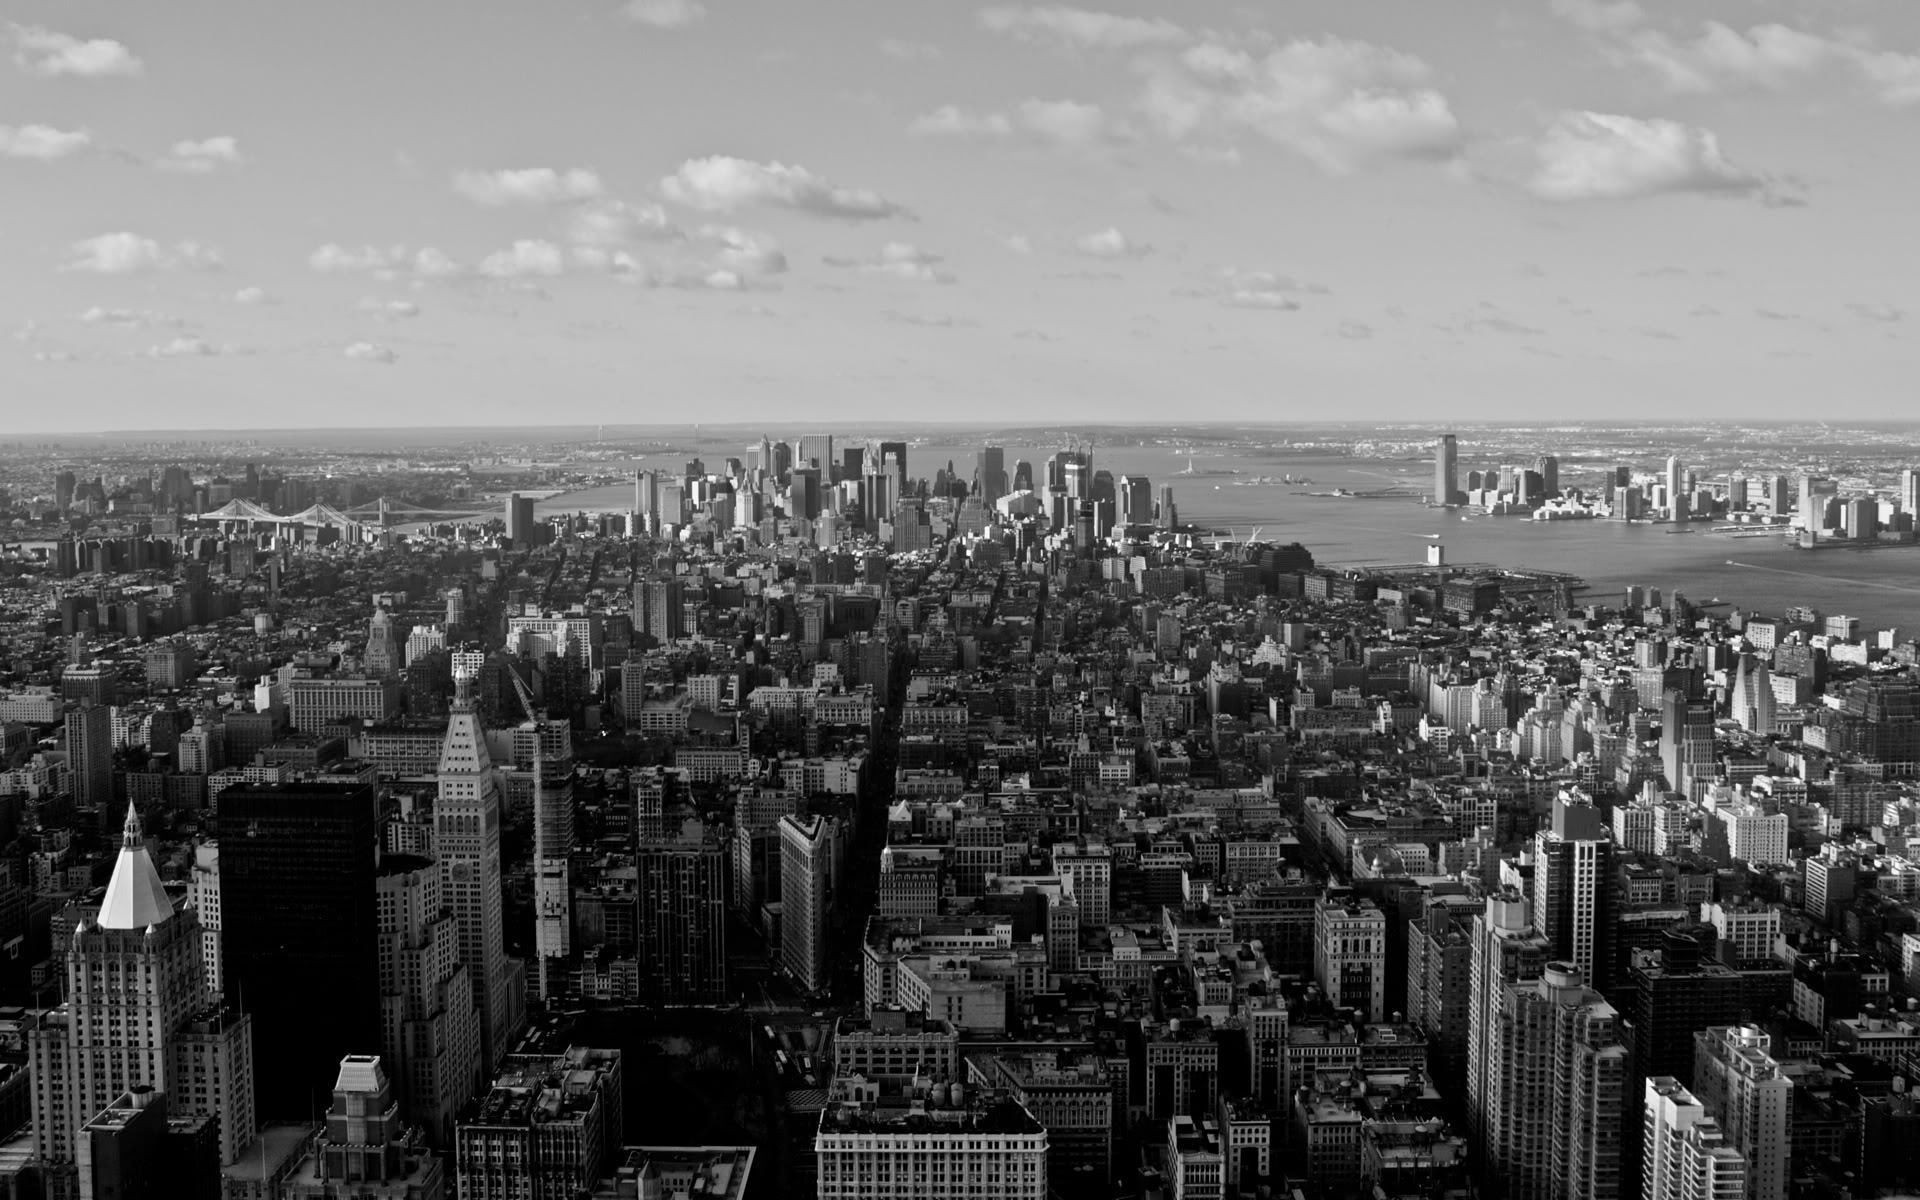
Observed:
{"x":1110,"y":243}
{"x":528,"y":185}
{"x":369,"y":352}
{"x":1353,"y":330}
{"x":909,"y":51}
{"x":1600,"y":156}
{"x":1063,"y":122}
{"x":1079,"y":28}
{"x":184,"y":347}
{"x":128,"y":253}
{"x":1495,"y":323}
{"x":666,"y":14}
{"x":952,"y":121}
{"x":388,"y":308}
{"x":126,"y":318}
{"x":42,"y":142}
{"x":431,"y":263}
{"x":741,"y":253}
{"x":1878,"y":312}
{"x":527,"y":257}
{"x":252,"y":296}
{"x":1019,"y":243}
{"x":1261,"y":290}
{"x":1339,"y":103}
{"x":899,"y":260}
{"x":722,"y":183}
{"x":203,"y":156}
{"x":609,"y":223}
{"x":383,"y":262}
{"x":47,"y":53}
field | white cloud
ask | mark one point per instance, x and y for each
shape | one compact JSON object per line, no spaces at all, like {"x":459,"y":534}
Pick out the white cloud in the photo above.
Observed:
{"x":528,"y":185}
{"x":1019,"y":243}
{"x":252,"y":296}
{"x":334,"y":259}
{"x":527,"y":257}
{"x":1079,"y":28}
{"x":666,"y":14}
{"x":42,"y":142}
{"x":200,"y":157}
{"x":743,"y":253}
{"x":1600,"y":156}
{"x":184,"y":347}
{"x":1065,"y":122}
{"x":1338,"y":102}
{"x":899,"y":260}
{"x":48,"y":53}
{"x":129,"y":318}
{"x":617,"y":223}
{"x":388,"y":308}
{"x":1110,"y":243}
{"x":431,"y":263}
{"x":128,"y":253}
{"x":909,"y":51}
{"x":368,"y":352}
{"x":721,"y":183}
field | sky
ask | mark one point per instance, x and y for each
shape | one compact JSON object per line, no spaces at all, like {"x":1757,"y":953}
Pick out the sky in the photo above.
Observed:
{"x":519,"y":212}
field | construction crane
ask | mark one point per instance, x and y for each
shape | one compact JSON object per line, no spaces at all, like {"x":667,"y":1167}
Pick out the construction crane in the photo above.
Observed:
{"x":543,"y":908}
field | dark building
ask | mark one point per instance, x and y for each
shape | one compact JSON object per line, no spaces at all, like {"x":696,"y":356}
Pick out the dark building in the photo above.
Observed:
{"x":298,"y":869}
{"x":131,"y":1150}
{"x":1673,"y":993}
{"x":682,"y":908}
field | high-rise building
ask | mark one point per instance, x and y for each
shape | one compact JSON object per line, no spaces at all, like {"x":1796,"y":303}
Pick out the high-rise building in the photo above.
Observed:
{"x":466,"y":844}
{"x":1136,"y":500}
{"x":894,"y":1141}
{"x":1089,"y":866}
{"x":816,"y":451}
{"x":990,"y":476}
{"x":1752,"y":699}
{"x":805,"y":899}
{"x":1687,"y":1156}
{"x":1446,"y":470}
{"x":1686,"y":741}
{"x":382,"y":658}
{"x":1738,"y":1081}
{"x":1547,"y":467}
{"x":430,"y":1029}
{"x":547,"y":1129}
{"x":134,"y":1150}
{"x":1675,"y":480}
{"x":519,"y":516}
{"x":1561,"y":1076}
{"x":1350,"y":954}
{"x":137,"y":1016}
{"x":90,"y":762}
{"x":1671,"y":991}
{"x":665,"y":611}
{"x":1572,"y":861}
{"x":1506,"y":952}
{"x":365,"y":1151}
{"x":681,"y":894}
{"x":300,"y":934}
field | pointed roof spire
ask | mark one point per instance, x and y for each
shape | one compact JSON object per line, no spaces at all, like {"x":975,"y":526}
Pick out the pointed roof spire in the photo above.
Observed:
{"x":135,"y":897}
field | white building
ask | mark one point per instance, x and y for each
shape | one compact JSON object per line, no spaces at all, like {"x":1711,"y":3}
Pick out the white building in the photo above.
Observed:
{"x":927,"y":1140}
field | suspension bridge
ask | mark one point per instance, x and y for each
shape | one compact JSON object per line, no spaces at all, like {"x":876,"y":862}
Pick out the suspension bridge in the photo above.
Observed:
{"x":379,"y":514}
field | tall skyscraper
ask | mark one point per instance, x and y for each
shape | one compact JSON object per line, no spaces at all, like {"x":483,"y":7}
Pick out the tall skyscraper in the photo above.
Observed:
{"x":90,"y":761}
{"x":1675,"y":478}
{"x":430,"y":1030}
{"x":990,"y":476}
{"x":547,"y":788}
{"x":1738,"y":1081}
{"x":520,"y":524}
{"x":681,"y":893}
{"x":382,"y":658}
{"x":1446,"y":470}
{"x":1752,"y":699}
{"x":1136,"y":500}
{"x":300,"y":934}
{"x":466,"y":844}
{"x":816,"y":451}
{"x":1572,"y":862}
{"x":1687,"y":1154}
{"x":1506,"y":952}
{"x":137,"y":1016}
{"x":1350,"y":954}
{"x":805,"y":900}
{"x":365,"y":1151}
{"x":1910,"y":492}
{"x":1547,"y":466}
{"x":665,"y":614}
{"x":1686,"y":741}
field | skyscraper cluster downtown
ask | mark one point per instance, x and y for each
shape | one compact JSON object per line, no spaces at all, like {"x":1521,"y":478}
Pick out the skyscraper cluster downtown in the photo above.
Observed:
{"x":806,"y":826}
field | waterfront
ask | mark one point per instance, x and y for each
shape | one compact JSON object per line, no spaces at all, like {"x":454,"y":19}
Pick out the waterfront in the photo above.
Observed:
{"x":1881,"y":588}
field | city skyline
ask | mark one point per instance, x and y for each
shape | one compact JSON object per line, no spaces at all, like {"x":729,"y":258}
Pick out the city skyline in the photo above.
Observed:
{"x":881,"y":208}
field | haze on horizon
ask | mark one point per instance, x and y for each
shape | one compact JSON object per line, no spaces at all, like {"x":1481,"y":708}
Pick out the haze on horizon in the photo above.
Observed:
{"x":495,"y":213}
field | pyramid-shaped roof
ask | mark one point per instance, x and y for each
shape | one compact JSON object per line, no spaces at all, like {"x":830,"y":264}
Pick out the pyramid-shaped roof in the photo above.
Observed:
{"x":464,"y":750}
{"x":135,"y":897}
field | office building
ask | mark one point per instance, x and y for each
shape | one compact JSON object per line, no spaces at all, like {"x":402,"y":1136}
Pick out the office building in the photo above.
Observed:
{"x":1089,"y":867}
{"x":520,"y":523}
{"x":1674,"y":478}
{"x":1671,"y":991}
{"x":1446,"y":471}
{"x":1740,"y":1084}
{"x":365,"y":1150}
{"x":806,"y":897}
{"x":298,"y":896}
{"x":927,"y":1141}
{"x":89,"y":731}
{"x":133,"y":1150}
{"x":681,"y":894}
{"x":1572,"y":860}
{"x":816,"y":451}
{"x":137,"y":1016}
{"x":548,"y":1129}
{"x":1506,"y":953}
{"x":1350,"y":954}
{"x":1686,"y":742}
{"x":1753,"y":700}
{"x":466,"y":845}
{"x":429,"y":1026}
{"x":664,"y":617}
{"x":1687,"y":1156}
{"x":382,"y":657}
{"x":990,"y":475}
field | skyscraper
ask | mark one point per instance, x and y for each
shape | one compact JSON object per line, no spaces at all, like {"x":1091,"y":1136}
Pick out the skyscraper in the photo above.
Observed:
{"x":137,"y":1015}
{"x":430,"y":1030}
{"x":1687,"y":1154}
{"x":1675,"y":478}
{"x":1136,"y":500}
{"x":365,"y":1151}
{"x":1572,"y":861}
{"x":90,"y":760}
{"x":816,"y":451}
{"x":681,"y":893}
{"x":383,"y":652}
{"x":805,"y":898}
{"x":519,"y":514}
{"x":1686,"y":741}
{"x":990,"y":476}
{"x":300,"y":934}
{"x":1910,"y":492}
{"x":1506,"y":952}
{"x":1446,"y":470}
{"x":466,"y":843}
{"x":1738,"y":1081}
{"x":1547,"y":466}
{"x":1752,"y":699}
